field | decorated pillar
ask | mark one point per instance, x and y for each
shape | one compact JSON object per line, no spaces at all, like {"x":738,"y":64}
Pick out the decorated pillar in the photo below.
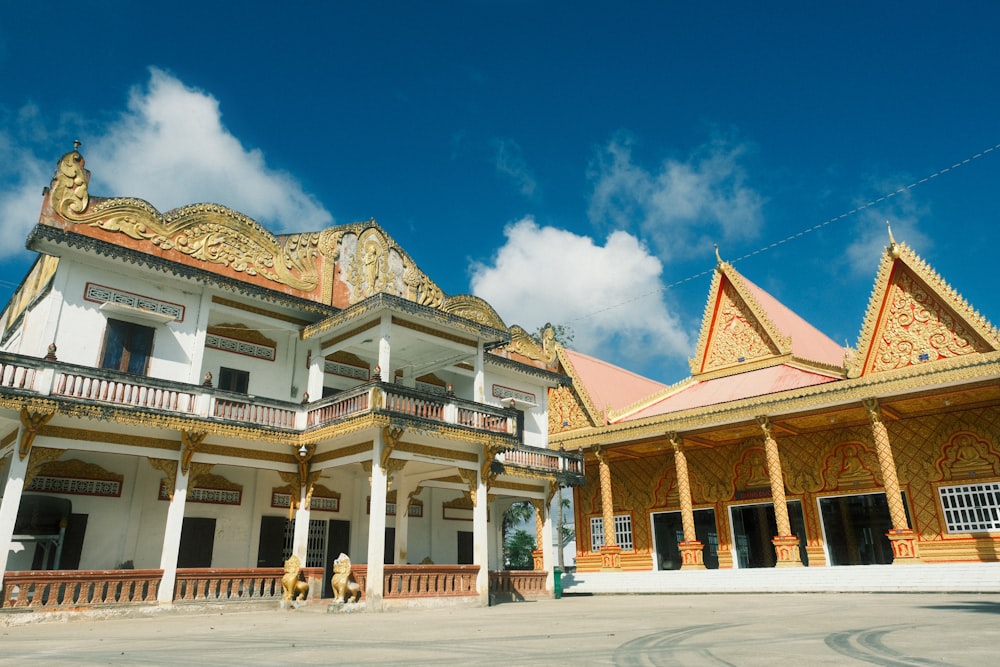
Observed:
{"x":479,"y":379}
{"x":538,"y":554}
{"x":31,"y":423}
{"x":611,"y":553}
{"x":300,"y":538}
{"x":692,"y":556}
{"x":902,"y":537}
{"x":786,"y":545}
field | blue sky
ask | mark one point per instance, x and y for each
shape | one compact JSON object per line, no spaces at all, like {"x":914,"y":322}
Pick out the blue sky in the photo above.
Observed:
{"x":569,"y":162}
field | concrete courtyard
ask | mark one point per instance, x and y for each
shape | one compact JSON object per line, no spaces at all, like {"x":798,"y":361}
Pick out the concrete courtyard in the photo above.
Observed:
{"x":894,"y":630}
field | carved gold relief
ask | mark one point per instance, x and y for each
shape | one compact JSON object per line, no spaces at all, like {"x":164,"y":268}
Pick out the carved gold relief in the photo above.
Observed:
{"x":918,"y":328}
{"x":77,"y":469}
{"x":40,"y":457}
{"x":241,"y":332}
{"x":736,"y":336}
{"x":473,"y":308}
{"x":966,"y":455}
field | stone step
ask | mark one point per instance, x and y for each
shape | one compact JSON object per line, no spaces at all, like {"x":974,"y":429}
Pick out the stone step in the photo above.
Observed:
{"x":945,"y":578}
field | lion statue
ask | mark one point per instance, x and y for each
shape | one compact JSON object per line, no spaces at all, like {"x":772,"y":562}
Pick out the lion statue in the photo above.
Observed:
{"x":294,"y":588}
{"x":344,"y":590}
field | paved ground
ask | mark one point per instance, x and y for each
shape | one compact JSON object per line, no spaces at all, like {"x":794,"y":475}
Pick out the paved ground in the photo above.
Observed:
{"x":892,"y":630}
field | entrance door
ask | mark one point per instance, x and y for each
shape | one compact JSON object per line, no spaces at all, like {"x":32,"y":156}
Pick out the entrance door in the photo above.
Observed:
{"x":754,"y":526}
{"x":466,"y":540}
{"x":197,"y":542}
{"x":338,"y":541}
{"x":855,"y":529}
{"x":271,"y":550}
{"x":668,"y":532}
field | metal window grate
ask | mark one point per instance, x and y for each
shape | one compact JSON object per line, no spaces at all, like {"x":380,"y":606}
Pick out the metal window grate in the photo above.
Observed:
{"x":623,"y":532}
{"x":971,"y":507}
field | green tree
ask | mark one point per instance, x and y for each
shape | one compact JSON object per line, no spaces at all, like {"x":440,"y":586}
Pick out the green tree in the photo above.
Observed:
{"x":517,"y":514}
{"x":564,"y":334}
{"x":517,"y":549}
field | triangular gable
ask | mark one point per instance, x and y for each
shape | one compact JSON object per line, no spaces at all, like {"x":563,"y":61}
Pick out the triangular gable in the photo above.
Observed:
{"x":598,"y":388}
{"x":744,"y":327}
{"x":914,"y":317}
{"x":734,"y":329}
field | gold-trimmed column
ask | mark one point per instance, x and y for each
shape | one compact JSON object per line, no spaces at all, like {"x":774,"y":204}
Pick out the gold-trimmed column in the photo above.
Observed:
{"x":538,"y":553}
{"x":902,"y":538}
{"x":692,"y":557}
{"x":786,"y":545}
{"x":611,"y":553}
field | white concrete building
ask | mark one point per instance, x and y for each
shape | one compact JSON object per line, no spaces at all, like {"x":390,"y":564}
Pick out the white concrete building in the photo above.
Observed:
{"x":186,"y":390}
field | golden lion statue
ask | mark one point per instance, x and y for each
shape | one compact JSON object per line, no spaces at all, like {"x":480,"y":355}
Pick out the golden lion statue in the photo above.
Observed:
{"x":294,"y":588}
{"x":344,"y":590}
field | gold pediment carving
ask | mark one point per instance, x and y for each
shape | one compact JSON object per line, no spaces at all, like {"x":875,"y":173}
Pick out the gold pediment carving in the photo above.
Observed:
{"x":914,"y":317}
{"x":77,"y":469}
{"x":475,"y":309}
{"x":967,"y":455}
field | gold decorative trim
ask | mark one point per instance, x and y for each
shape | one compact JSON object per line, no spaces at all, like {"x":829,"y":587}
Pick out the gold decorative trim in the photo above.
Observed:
{"x":970,"y":330}
{"x":344,"y":452}
{"x":473,"y":308}
{"x":31,"y":423}
{"x":169,"y":469}
{"x":437,"y":333}
{"x":579,"y":388}
{"x":40,"y":457}
{"x":309,"y":332}
{"x":241,"y":332}
{"x":274,"y":315}
{"x":985,"y":367}
{"x":523,"y":343}
{"x":756,"y":337}
{"x":437,"y":452}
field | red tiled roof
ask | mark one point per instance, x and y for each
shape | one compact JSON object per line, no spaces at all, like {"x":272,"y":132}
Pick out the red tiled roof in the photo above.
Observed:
{"x":733,"y":388}
{"x":611,"y":387}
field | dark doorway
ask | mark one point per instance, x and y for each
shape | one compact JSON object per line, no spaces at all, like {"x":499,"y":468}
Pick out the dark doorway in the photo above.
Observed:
{"x":754,"y":526}
{"x":668,"y":532}
{"x":466,"y":540}
{"x":72,"y":547}
{"x":856,"y":527}
{"x":338,"y":541}
{"x":389,"y":550}
{"x":197,"y":542}
{"x":271,"y":549}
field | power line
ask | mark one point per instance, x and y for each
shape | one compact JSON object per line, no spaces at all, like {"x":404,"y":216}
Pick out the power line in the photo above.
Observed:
{"x":797,"y":235}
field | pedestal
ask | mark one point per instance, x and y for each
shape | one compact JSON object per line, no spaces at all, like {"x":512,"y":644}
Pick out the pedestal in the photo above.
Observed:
{"x":787,"y":551}
{"x":692,"y":557}
{"x":611,"y":559}
{"x":538,"y":558}
{"x":904,"y":546}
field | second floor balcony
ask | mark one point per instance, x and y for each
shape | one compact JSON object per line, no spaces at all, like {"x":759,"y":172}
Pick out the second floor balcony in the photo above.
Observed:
{"x":100,"y":389}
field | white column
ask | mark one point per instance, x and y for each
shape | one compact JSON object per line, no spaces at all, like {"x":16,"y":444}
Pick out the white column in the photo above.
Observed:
{"x":300,"y":541}
{"x":384,"y":347}
{"x":548,"y":548}
{"x":376,"y":530}
{"x":403,"y":490}
{"x":13,"y":487}
{"x":314,"y":383}
{"x":479,"y":383}
{"x":197,"y":342}
{"x":172,"y":539}
{"x":480,"y":538}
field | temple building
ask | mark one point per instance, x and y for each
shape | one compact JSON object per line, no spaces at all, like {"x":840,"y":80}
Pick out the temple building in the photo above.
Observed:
{"x":187,"y":399}
{"x":783,"y":448}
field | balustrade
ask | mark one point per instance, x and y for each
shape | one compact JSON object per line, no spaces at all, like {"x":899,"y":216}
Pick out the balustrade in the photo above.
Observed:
{"x":120,"y":392}
{"x":16,"y":376}
{"x":254,"y":413}
{"x":518,"y":584}
{"x":420,"y":581}
{"x":72,"y":589}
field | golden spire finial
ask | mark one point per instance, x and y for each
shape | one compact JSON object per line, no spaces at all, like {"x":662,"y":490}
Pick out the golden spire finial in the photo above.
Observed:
{"x":76,"y":144}
{"x":718,"y":257}
{"x":893,"y":249}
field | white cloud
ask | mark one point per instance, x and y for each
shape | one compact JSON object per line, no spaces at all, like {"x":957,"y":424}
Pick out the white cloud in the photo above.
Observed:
{"x":871,"y":236}
{"x":682,"y":205}
{"x":509,"y":160}
{"x":169,"y":147}
{"x":610,"y":295}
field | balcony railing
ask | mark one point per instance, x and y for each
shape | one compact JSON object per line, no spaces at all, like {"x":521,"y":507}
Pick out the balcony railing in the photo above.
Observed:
{"x":104,"y":387}
{"x":100,"y":387}
{"x":565,"y":467}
